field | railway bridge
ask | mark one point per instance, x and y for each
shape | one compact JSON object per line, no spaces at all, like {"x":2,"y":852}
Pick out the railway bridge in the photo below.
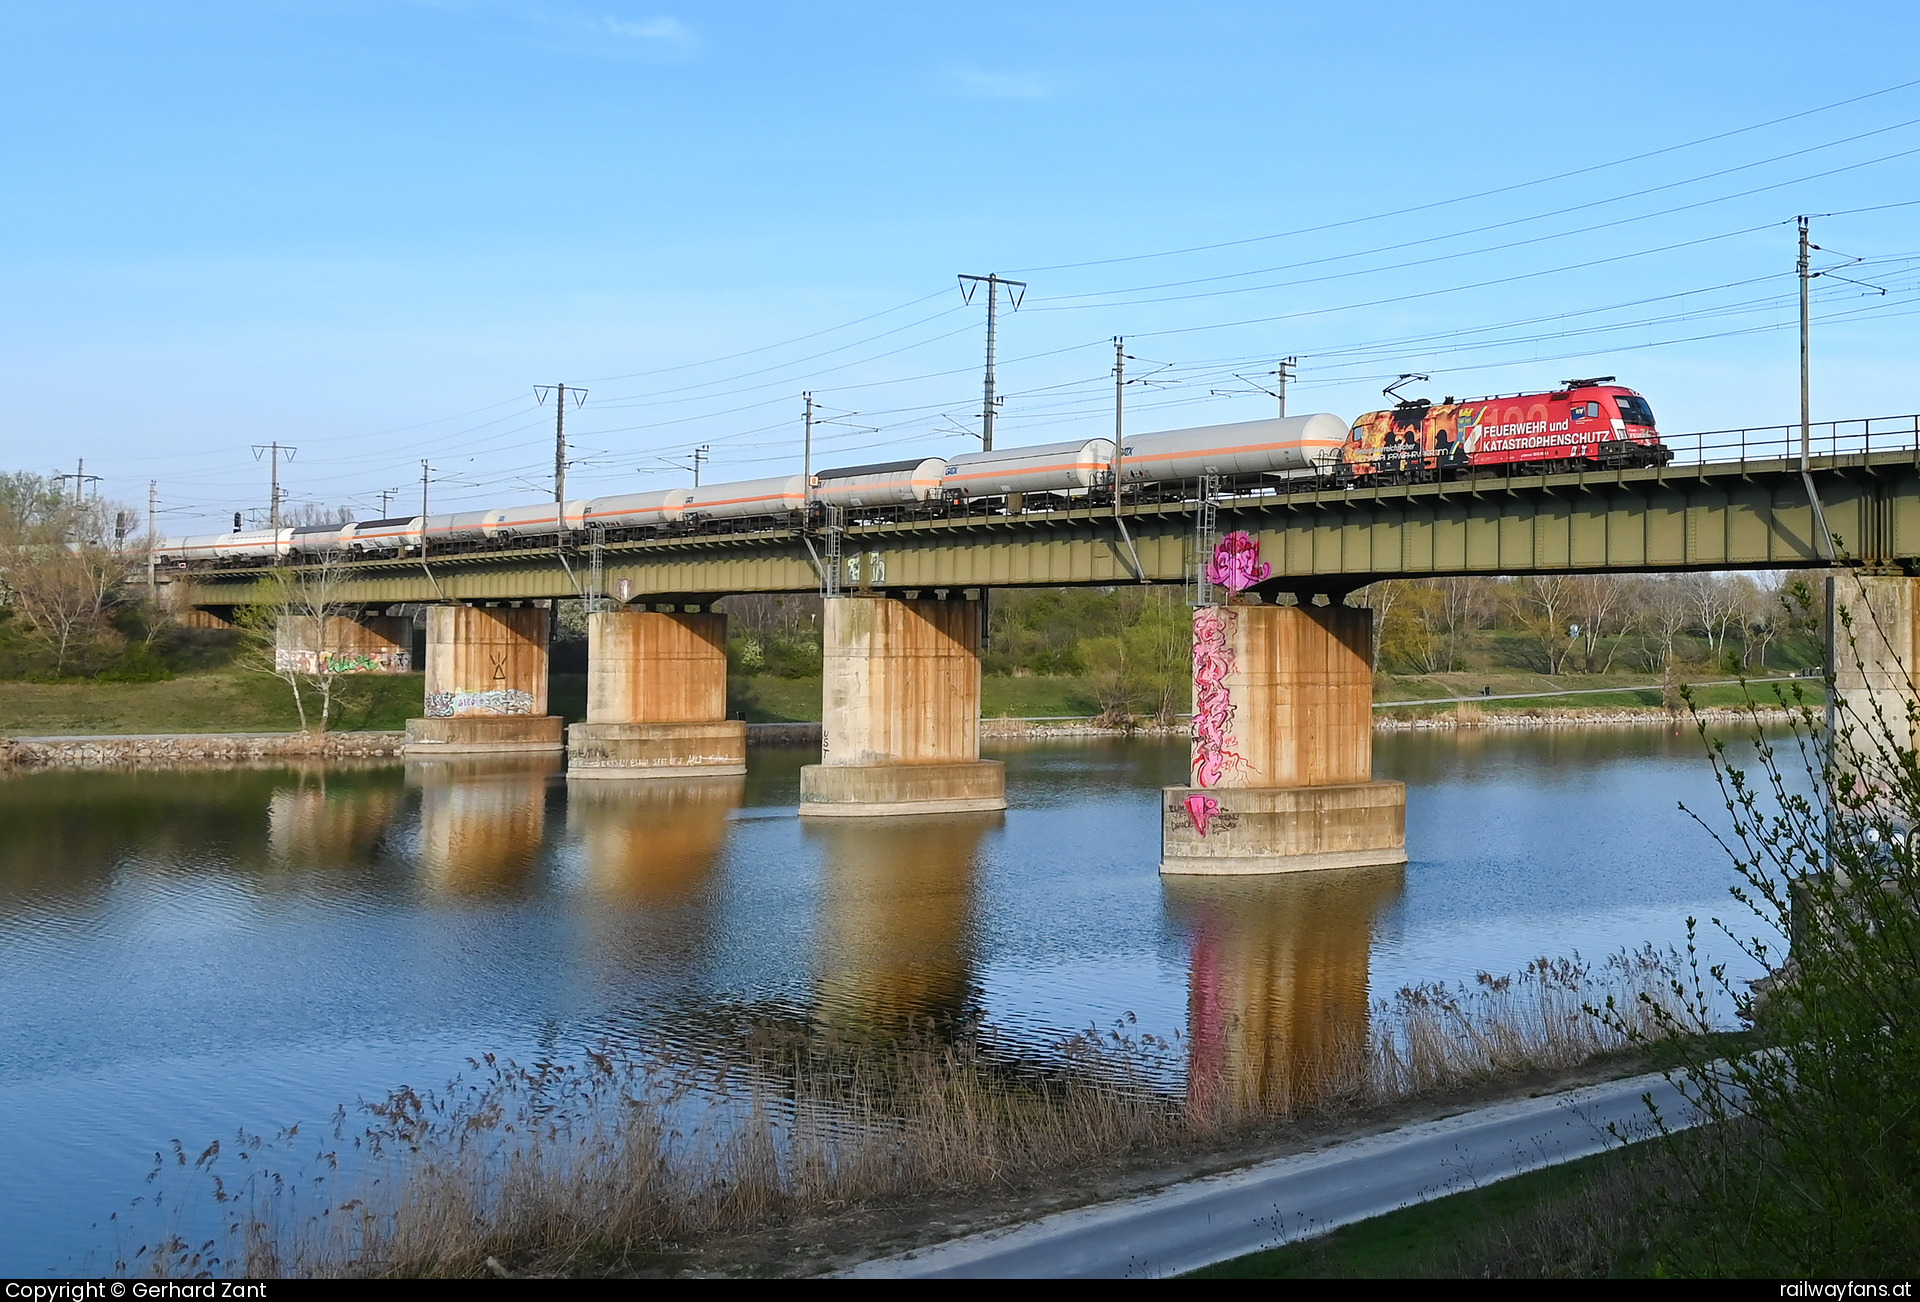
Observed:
{"x":1282,"y":754}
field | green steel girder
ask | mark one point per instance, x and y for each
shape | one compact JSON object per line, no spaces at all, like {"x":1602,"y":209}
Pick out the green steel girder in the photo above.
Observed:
{"x":1753,"y":515}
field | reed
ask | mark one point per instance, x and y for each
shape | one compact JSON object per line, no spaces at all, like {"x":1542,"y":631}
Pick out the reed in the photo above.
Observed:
{"x":608,"y":1161}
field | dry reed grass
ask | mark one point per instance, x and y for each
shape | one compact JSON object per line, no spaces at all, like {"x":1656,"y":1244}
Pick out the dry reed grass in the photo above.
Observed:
{"x":606,"y":1163}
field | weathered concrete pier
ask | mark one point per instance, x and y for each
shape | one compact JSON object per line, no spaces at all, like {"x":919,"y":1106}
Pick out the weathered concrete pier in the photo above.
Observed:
{"x":656,"y":698}
{"x":900,"y":730}
{"x":486,"y":683}
{"x":1282,"y":739}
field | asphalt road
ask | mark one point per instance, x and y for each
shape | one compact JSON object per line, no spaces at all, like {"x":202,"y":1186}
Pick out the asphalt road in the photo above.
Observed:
{"x":1220,"y":1217}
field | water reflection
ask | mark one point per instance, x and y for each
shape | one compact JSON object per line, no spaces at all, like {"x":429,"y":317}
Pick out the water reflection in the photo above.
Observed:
{"x":482,"y":820}
{"x":652,"y":841}
{"x":330,"y":819}
{"x":897,"y":901}
{"x":1277,"y":992}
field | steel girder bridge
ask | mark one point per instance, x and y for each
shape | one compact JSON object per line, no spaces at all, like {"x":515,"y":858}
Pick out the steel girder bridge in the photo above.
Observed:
{"x":1855,"y":502}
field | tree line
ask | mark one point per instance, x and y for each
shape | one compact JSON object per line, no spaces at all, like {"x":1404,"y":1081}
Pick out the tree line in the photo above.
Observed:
{"x":1596,"y":623}
{"x":73,"y":601}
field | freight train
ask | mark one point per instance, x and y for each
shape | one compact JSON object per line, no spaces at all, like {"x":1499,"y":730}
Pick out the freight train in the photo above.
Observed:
{"x":1586,"y":423}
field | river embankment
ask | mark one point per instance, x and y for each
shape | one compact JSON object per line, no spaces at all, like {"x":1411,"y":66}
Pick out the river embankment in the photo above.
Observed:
{"x":168,"y":749}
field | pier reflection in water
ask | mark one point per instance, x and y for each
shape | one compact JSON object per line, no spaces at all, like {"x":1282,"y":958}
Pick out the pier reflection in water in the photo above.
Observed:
{"x":1277,"y":1000}
{"x":330,"y":819}
{"x":895,"y":936}
{"x":651,"y":841}
{"x":482,"y":821}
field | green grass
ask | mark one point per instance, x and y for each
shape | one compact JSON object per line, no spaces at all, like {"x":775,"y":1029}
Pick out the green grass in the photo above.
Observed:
{"x":228,"y":700}
{"x":1431,"y":1240}
{"x":1036,"y":698}
{"x":765,"y":698}
{"x":1632,"y":690}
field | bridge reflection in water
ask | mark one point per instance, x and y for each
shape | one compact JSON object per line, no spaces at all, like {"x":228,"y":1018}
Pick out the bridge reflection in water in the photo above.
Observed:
{"x":1277,"y":1004}
{"x":896,"y":931}
{"x":482,"y":820}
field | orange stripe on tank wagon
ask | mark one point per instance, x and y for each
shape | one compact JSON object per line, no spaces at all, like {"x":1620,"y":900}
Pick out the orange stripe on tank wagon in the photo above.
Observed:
{"x":1021,"y":470}
{"x":1132,"y":458}
{"x":736,"y":501}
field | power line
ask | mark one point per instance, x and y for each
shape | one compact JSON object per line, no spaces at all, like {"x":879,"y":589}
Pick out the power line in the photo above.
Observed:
{"x":1482,"y":194}
{"x":1521,"y":221}
{"x":1468,"y":253}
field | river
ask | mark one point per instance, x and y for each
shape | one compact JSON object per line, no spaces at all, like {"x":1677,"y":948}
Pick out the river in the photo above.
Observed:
{"x":186,"y":953}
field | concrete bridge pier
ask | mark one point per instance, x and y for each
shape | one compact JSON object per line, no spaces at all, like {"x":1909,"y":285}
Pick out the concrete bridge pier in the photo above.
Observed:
{"x":900,"y":721}
{"x":486,"y":683}
{"x":656,"y":699}
{"x":1282,"y":747}
{"x":348,"y":644}
{"x":1873,"y":638}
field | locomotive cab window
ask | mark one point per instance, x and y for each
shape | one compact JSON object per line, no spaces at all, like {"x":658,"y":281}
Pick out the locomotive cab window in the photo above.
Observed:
{"x":1634,"y":411}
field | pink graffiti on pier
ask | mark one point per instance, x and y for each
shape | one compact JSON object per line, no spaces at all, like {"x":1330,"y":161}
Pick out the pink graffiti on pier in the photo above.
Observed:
{"x":1236,"y":564}
{"x":1213,"y":754}
{"x":1200,"y":810}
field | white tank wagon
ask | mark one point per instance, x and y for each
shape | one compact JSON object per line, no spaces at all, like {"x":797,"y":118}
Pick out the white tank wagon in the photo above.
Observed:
{"x":888,"y":483}
{"x":383,"y":537}
{"x":456,"y":527}
{"x":778,"y":496}
{"x":660,"y":509}
{"x":1286,"y":447}
{"x":1048,"y":468}
{"x":318,"y":539}
{"x":534,"y":520}
{"x":226,"y":548}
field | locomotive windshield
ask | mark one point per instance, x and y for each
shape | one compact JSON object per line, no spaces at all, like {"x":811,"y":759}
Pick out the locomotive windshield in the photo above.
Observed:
{"x":1634,"y":411}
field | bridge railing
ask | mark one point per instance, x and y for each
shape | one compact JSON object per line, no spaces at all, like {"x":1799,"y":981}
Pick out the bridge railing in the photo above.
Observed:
{"x":1830,"y":438}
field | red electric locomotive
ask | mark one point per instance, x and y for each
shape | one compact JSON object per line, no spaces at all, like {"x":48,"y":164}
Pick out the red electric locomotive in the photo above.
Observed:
{"x":1587,"y":424}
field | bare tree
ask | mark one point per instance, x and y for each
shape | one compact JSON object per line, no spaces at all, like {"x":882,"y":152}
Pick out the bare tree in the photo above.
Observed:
{"x":1665,"y":609}
{"x":1602,"y":607}
{"x":63,"y":566}
{"x":299,"y":633}
{"x":1766,"y":615}
{"x":1541,"y":604}
{"x":1382,"y":597}
{"x":1466,"y":603}
{"x":1716,"y":601}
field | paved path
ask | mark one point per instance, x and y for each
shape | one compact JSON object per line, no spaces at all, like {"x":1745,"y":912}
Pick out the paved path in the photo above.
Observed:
{"x":1220,"y":1217}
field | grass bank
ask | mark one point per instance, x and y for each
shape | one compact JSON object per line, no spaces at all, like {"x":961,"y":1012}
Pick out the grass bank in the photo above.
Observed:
{"x":1560,"y":1220}
{"x":218,"y":700}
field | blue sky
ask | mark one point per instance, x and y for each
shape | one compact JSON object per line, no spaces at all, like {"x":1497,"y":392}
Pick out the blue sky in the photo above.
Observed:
{"x":368,"y":229}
